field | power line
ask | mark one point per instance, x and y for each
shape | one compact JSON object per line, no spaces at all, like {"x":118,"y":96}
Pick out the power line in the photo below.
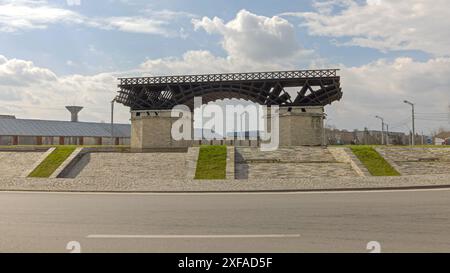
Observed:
{"x":429,"y":113}
{"x":402,"y":121}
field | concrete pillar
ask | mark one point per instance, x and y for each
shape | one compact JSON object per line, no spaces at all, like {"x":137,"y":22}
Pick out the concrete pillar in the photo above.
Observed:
{"x":299,"y":126}
{"x":152,"y":129}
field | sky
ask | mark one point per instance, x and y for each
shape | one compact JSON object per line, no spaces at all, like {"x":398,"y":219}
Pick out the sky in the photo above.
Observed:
{"x":57,"y":53}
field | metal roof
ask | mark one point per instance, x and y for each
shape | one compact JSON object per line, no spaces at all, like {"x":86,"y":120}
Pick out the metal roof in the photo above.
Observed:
{"x":35,"y":127}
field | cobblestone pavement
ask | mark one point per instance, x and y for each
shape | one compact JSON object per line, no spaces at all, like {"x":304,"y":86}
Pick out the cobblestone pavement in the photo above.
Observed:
{"x":310,"y":154}
{"x":292,"y":170}
{"x":417,"y":161}
{"x":292,"y":162}
{"x":15,"y":164}
{"x":131,"y":166}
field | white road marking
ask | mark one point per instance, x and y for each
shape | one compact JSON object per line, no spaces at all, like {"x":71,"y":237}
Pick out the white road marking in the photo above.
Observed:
{"x":187,"y":236}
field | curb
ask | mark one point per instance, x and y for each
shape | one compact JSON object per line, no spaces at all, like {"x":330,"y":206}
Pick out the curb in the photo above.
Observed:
{"x":436,"y":187}
{"x":66,"y":163}
{"x":393,"y":164}
{"x":230,"y":163}
{"x":191,"y":161}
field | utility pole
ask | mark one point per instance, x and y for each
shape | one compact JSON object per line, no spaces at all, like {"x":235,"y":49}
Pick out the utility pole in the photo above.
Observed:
{"x":387,"y":134}
{"x":382,"y":129}
{"x":112,"y":121}
{"x":413,"y":142}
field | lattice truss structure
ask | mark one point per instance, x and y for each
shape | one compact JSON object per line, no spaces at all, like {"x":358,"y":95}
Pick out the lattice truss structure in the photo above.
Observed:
{"x":314,"y":88}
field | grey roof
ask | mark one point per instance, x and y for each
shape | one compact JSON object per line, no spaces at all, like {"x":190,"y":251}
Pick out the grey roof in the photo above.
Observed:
{"x":35,"y":127}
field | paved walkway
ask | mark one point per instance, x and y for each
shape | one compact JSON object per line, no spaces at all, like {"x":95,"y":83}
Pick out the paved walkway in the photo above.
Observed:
{"x":130,"y":166}
{"x":288,"y":163}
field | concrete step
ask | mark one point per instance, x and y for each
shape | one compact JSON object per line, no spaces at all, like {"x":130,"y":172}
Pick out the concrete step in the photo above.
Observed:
{"x":291,"y":154}
{"x":288,"y":163}
{"x":416,"y":154}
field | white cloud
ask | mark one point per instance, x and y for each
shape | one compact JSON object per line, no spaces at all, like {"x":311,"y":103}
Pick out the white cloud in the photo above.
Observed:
{"x":28,"y":15}
{"x":25,"y":15}
{"x":159,"y":22}
{"x":202,"y":61}
{"x":15,"y":72}
{"x":380,"y":87}
{"x":29,"y":91}
{"x":385,"y":25}
{"x":73,"y":2}
{"x":133,"y":24}
{"x":253,"y":37}
{"x":251,"y":43}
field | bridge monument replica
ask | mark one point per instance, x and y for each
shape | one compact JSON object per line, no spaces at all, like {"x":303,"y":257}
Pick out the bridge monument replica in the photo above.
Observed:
{"x":151,"y":100}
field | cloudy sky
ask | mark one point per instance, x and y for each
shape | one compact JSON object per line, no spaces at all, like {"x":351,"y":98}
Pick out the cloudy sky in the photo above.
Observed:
{"x":55,"y":53}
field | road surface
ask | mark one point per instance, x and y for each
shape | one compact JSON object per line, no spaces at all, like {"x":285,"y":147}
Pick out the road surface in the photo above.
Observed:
{"x":267,"y":222}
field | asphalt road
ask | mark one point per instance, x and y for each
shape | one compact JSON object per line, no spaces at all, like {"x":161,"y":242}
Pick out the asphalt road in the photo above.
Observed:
{"x":280,"y":222}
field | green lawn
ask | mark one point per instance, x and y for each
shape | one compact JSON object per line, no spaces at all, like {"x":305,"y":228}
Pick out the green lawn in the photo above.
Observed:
{"x":52,"y":162}
{"x":212,"y":162}
{"x":374,"y":162}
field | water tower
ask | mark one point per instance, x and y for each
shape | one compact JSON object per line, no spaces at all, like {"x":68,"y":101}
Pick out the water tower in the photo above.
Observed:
{"x":74,"y":110}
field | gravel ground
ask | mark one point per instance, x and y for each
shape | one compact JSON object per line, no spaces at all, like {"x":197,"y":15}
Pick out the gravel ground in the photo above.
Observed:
{"x":165,"y":185}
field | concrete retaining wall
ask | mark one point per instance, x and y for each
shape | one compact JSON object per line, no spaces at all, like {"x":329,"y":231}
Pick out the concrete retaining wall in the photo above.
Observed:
{"x":18,"y":164}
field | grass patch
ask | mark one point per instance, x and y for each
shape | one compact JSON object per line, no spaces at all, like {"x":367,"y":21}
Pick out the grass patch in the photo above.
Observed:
{"x":212,"y":162}
{"x":374,"y":162}
{"x":52,"y":162}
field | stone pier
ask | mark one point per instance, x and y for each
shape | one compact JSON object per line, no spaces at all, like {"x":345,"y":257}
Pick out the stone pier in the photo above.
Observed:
{"x":298,"y":126}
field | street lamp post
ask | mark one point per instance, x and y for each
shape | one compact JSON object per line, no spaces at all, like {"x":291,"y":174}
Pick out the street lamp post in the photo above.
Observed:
{"x":324,"y":140}
{"x":382,"y":129}
{"x":413,"y":125}
{"x":387,"y":134}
